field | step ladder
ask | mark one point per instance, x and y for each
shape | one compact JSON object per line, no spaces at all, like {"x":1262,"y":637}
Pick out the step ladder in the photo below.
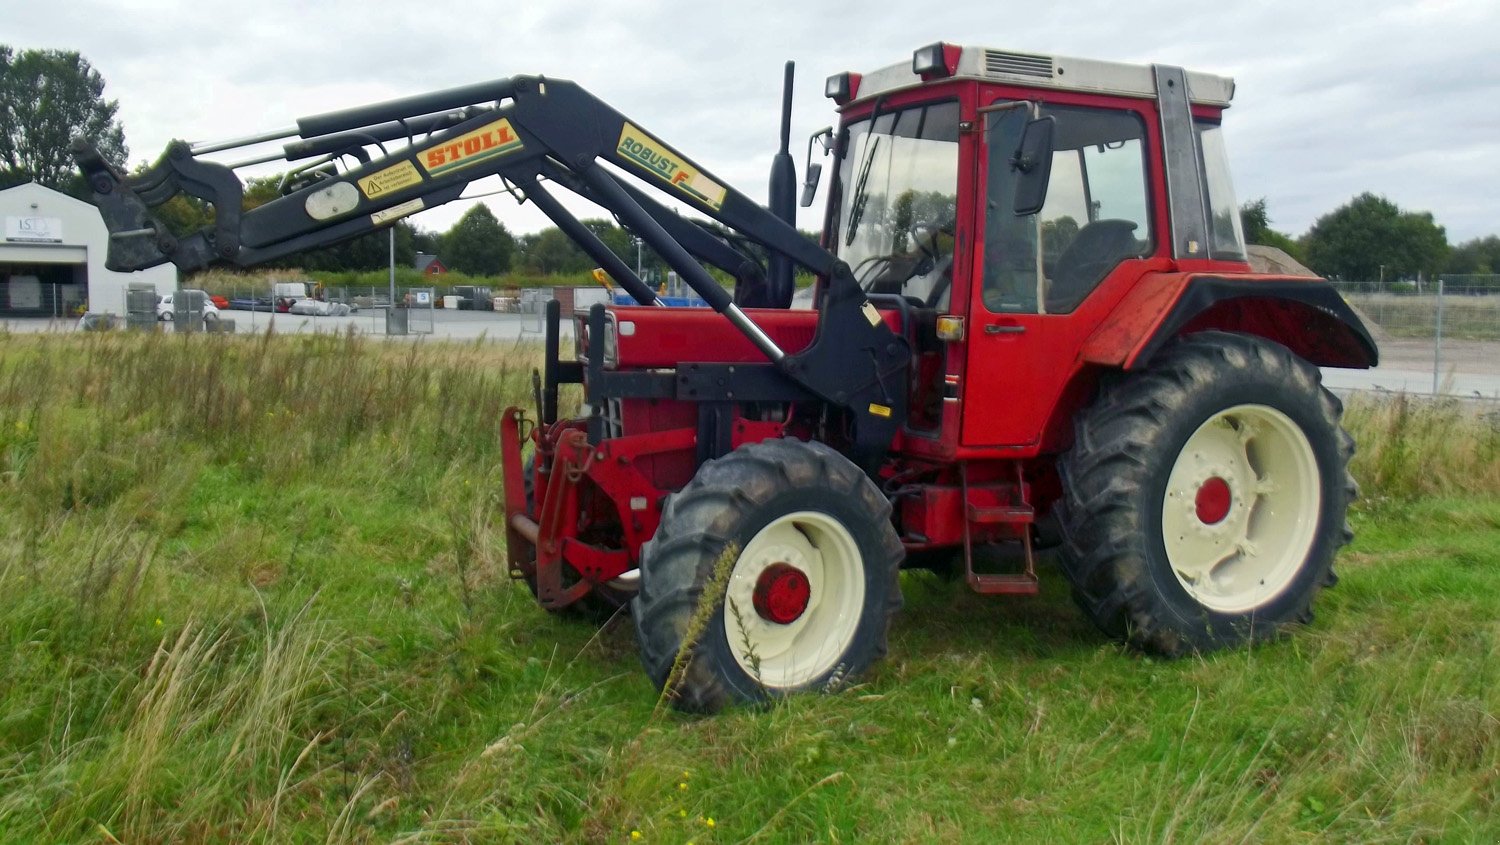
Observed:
{"x":1020,"y":514}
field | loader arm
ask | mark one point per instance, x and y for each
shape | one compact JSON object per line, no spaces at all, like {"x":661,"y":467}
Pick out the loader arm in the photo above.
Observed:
{"x":529,"y":130}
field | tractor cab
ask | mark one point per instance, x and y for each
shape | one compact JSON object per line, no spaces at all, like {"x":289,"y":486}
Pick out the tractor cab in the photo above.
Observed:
{"x":1009,"y":202}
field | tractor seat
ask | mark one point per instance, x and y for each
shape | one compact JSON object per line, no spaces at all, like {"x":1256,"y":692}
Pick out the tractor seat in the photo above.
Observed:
{"x":1095,"y":251}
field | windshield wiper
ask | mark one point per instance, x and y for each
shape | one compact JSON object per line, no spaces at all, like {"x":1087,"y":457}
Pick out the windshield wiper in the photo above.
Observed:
{"x":857,"y":207}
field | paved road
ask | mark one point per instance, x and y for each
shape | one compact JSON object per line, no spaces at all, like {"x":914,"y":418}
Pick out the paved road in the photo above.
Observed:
{"x":1469,"y":368}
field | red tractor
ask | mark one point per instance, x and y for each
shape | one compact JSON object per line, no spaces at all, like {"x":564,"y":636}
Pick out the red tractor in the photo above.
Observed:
{"x":1034,"y":324}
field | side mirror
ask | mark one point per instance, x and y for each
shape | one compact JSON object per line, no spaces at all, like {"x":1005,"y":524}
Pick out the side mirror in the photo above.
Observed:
{"x":823,"y":138}
{"x":1032,"y":164}
{"x":810,"y":184}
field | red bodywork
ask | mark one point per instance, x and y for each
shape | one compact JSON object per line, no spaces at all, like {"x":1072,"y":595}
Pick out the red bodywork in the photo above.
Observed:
{"x":989,"y":413}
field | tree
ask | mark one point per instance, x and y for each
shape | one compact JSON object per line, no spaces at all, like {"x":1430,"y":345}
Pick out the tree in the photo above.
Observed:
{"x":1256,"y":222}
{"x":371,"y":251}
{"x":1481,"y":255}
{"x":551,"y":252}
{"x":46,"y":98}
{"x":1370,"y":237}
{"x":478,"y":244}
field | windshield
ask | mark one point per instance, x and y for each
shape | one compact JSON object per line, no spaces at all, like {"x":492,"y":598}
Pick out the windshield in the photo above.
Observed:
{"x":898,"y":188}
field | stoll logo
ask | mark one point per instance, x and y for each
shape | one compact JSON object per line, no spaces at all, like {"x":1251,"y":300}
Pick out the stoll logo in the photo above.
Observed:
{"x":666,"y":165}
{"x":484,"y":143}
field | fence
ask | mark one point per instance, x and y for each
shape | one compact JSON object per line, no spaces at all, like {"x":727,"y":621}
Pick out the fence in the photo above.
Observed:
{"x":254,"y":306}
{"x":1438,"y":337}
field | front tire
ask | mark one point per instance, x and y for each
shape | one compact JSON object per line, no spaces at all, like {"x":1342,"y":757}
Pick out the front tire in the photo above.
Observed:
{"x":807,"y":599}
{"x":1205,"y":496}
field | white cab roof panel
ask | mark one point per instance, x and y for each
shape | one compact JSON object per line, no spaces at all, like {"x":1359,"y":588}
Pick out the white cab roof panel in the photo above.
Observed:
{"x":1035,"y":70}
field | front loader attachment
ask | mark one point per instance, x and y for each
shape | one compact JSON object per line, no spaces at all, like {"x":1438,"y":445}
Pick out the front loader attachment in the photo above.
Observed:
{"x":365,"y":168}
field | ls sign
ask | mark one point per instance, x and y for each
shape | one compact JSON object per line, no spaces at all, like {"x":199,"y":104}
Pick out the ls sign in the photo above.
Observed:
{"x":41,"y":230}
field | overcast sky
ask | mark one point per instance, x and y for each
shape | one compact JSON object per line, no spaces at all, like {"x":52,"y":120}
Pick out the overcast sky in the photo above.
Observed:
{"x":1335,"y":97}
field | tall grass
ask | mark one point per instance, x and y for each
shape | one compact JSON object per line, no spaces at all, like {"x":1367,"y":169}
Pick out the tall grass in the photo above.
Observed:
{"x":1466,"y":316}
{"x":251,"y":589}
{"x":1409,"y":447}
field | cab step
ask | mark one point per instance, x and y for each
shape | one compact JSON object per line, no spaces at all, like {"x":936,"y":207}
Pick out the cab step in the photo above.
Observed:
{"x":991,"y":510}
{"x":1020,"y":584}
{"x":1001,"y":514}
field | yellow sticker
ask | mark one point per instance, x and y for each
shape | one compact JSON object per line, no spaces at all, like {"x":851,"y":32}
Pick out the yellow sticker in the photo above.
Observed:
{"x":880,"y":411}
{"x":471,"y":148}
{"x":665,"y":164}
{"x":393,"y":178}
{"x":870,"y":313}
{"x":397,"y":211}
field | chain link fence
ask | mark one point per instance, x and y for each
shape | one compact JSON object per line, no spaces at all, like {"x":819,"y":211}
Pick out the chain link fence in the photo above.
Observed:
{"x":256,"y":305}
{"x":1440,"y":337}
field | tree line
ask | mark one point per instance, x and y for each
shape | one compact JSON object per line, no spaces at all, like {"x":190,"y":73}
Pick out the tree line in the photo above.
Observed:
{"x":1372,"y":239}
{"x":49,"y":96}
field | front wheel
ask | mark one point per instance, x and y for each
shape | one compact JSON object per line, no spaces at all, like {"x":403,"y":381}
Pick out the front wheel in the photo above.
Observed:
{"x":1205,"y":496}
{"x":773,"y":571}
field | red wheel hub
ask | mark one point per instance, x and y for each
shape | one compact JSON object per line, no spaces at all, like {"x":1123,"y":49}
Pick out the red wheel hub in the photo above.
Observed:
{"x":1213,"y":501}
{"x":781,"y":593}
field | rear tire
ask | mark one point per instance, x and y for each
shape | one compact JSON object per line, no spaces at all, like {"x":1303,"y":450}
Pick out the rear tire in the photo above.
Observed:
{"x":801,"y":517}
{"x":1205,"y":496}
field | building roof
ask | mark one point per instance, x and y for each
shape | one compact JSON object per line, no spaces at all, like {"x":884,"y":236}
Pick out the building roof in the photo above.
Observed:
{"x":32,"y":191}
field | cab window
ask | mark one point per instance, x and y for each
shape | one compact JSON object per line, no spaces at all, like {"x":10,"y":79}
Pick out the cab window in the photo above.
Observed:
{"x":1096,"y":213}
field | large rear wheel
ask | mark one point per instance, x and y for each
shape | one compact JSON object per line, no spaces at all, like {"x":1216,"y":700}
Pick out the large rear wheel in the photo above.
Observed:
{"x":773,"y":571}
{"x":1205,"y":496}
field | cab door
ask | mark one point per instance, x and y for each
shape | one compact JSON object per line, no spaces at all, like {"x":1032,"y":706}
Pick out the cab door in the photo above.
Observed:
{"x":1036,"y":274}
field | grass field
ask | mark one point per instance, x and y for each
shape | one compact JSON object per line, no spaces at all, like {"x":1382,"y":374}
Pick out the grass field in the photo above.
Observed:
{"x":251,"y":589}
{"x":1466,"y":316}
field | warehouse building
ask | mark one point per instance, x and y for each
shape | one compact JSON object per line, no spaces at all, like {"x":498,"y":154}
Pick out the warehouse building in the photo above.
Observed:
{"x":52,"y":258}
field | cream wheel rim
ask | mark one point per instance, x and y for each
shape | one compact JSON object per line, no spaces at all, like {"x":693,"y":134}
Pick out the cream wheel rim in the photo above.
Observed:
{"x":785,"y":655}
{"x":1241,"y":508}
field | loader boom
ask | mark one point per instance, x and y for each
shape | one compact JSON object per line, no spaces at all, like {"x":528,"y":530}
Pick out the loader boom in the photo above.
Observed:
{"x":528,"y":130}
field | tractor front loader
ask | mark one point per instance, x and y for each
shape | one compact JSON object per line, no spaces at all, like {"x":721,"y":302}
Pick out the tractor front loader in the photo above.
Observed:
{"x":1034,"y":325}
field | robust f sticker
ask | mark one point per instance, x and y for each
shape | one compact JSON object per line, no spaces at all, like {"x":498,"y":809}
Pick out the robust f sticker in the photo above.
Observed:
{"x":486,"y":142}
{"x":663,"y":163}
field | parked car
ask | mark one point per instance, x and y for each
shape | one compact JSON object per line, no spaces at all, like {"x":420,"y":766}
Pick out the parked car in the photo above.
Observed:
{"x":166,"y":306}
{"x":219,"y":302}
{"x":319,"y":308}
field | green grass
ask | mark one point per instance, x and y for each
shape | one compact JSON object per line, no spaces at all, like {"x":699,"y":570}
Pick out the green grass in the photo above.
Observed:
{"x":1465,"y":316}
{"x":253,"y":590}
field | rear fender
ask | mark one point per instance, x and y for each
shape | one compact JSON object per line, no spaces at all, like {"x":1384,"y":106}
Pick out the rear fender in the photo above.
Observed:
{"x":1304,"y":314}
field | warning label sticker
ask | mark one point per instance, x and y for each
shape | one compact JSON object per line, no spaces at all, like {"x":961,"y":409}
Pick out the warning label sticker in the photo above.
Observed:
{"x":393,"y":178}
{"x":664,"y":163}
{"x":396,"y":211}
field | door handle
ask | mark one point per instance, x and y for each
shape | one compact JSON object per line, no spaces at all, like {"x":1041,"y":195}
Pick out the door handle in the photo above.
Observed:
{"x":993,"y":328}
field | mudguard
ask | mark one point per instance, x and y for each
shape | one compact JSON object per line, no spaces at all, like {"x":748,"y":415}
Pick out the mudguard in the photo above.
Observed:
{"x":1304,"y":314}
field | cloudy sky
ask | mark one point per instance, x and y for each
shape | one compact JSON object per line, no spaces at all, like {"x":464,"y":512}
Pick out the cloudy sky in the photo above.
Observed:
{"x":1335,"y":97}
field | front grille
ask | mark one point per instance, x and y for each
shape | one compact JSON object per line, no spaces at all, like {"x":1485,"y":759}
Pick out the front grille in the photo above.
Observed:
{"x":1018,"y":64}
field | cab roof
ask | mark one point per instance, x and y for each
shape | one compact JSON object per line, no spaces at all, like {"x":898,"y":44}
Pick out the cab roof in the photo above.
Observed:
{"x":1036,"y":70}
